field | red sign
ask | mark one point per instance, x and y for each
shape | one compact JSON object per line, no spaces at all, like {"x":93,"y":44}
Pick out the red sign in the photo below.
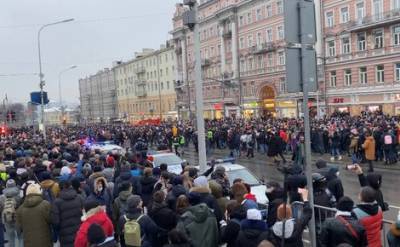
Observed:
{"x":218,"y":106}
{"x":338,"y":100}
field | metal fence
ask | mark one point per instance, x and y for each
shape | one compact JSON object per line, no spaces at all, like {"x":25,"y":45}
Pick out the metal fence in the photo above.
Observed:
{"x":322,"y":213}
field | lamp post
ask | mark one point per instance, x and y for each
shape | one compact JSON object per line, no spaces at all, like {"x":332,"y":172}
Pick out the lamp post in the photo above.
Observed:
{"x":41,"y":76}
{"x":59,"y":88}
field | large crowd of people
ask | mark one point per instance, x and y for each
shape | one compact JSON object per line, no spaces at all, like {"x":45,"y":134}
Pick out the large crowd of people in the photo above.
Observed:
{"x":60,"y":190}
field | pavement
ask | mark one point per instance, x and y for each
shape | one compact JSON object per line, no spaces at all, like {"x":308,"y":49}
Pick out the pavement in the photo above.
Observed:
{"x":264,"y":167}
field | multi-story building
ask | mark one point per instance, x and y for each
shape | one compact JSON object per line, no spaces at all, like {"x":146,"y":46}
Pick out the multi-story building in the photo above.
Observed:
{"x":362,"y":55}
{"x":242,"y":40}
{"x":98,"y":97}
{"x":56,"y":116}
{"x":145,"y":85}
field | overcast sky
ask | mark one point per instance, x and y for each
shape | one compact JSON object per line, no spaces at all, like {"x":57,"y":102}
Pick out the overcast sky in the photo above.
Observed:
{"x":103,"y":31}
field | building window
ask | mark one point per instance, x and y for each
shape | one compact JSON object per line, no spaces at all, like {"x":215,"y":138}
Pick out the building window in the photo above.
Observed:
{"x":378,"y":39}
{"x":259,"y":14}
{"x":281,"y":34}
{"x":363,"y":75}
{"x":377,"y":9}
{"x":242,"y":65}
{"x":396,"y":35}
{"x":344,"y":15}
{"x":250,"y":41}
{"x":279,"y":7}
{"x":249,"y":18}
{"x":241,"y":20}
{"x":269,"y":10}
{"x":380,"y":74}
{"x":332,"y":79}
{"x":331,"y":48}
{"x":260,"y":62}
{"x":346,"y":45}
{"x":269,"y":35}
{"x":167,"y":84}
{"x":347,"y":77}
{"x":282,"y":85}
{"x":270,"y":61}
{"x":250,"y":64}
{"x":281,"y":58}
{"x":259,"y":39}
{"x":241,"y":43}
{"x":397,"y":71}
{"x":361,"y":41}
{"x":329,"y":19}
{"x":360,"y":11}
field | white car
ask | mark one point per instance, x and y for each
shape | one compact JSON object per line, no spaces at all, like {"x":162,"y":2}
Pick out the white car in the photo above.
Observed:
{"x":234,"y":171}
{"x":173,"y":161}
{"x":106,"y":147}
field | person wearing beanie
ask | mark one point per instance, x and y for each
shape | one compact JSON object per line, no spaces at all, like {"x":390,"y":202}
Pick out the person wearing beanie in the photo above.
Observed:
{"x":120,"y":203}
{"x":201,"y":193}
{"x":344,"y":227}
{"x":149,"y":229}
{"x":147,"y":182}
{"x":177,"y":190}
{"x":10,"y":200}
{"x":33,"y":218}
{"x":94,"y":213}
{"x":287,"y":228}
{"x":251,"y":229}
{"x":66,"y":213}
{"x":97,"y":238}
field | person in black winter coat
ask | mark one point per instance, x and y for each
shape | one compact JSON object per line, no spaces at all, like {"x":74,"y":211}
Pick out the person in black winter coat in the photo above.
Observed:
{"x":163,"y":216}
{"x":294,"y":228}
{"x":147,"y":182}
{"x":343,"y":228}
{"x":66,"y":213}
{"x":275,"y":195}
{"x":373,"y":180}
{"x":101,"y":194}
{"x":97,"y":238}
{"x":149,"y":229}
{"x":178,"y":239}
{"x":330,"y":172}
{"x":177,"y":190}
{"x":252,"y":229}
{"x":230,"y":230}
{"x":126,"y":175}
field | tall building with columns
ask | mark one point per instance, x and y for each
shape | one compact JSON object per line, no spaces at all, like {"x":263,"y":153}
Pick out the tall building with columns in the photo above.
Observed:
{"x":242,"y":41}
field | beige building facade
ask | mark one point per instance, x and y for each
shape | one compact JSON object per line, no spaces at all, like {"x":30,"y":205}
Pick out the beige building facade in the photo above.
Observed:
{"x":145,"y":85}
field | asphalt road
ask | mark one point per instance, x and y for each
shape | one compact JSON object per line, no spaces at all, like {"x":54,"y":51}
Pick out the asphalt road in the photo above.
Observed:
{"x":263,"y":167}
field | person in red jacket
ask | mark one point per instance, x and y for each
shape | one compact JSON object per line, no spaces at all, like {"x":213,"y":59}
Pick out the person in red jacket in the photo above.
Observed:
{"x":94,"y":213}
{"x":370,"y":215}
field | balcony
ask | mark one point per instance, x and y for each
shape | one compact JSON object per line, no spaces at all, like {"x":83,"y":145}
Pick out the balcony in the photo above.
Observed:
{"x":263,"y":48}
{"x":373,"y":21}
{"x":140,"y":83}
{"x":179,"y":85}
{"x":140,"y":70}
{"x":205,"y":62}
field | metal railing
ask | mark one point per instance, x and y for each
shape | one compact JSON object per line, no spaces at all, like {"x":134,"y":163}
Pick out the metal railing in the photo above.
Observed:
{"x":322,"y":213}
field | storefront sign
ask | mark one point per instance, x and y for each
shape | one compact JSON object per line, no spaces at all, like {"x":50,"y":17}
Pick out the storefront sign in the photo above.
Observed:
{"x":338,"y":100}
{"x":251,"y":105}
{"x":218,"y":106}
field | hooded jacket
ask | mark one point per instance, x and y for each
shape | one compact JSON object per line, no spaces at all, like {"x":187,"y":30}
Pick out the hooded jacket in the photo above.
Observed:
{"x":250,"y":234}
{"x":293,"y":230}
{"x":35,"y":209}
{"x":127,"y":176}
{"x":217,"y":192}
{"x":102,"y":197}
{"x":199,"y":223}
{"x":10,"y":192}
{"x":120,"y":205}
{"x":147,"y":184}
{"x":53,"y":186}
{"x":275,"y":200}
{"x":374,"y":180}
{"x":66,"y":214}
{"x":203,"y":195}
{"x":95,"y":215}
{"x":165,"y":218}
{"x":172,"y":196}
{"x":370,"y":215}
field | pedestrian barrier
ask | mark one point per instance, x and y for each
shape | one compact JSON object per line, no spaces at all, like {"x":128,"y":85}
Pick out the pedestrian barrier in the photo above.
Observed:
{"x":322,"y":213}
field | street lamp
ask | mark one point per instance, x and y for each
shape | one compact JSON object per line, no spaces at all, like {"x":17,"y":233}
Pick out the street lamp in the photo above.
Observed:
{"x":41,"y":76}
{"x":59,"y":87}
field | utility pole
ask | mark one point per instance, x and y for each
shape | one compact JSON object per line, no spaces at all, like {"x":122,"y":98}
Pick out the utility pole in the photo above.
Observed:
{"x":300,"y":36}
{"x":191,"y":20}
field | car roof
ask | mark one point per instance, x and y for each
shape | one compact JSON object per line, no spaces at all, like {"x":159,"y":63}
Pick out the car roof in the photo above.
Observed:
{"x":231,"y":167}
{"x":163,"y":154}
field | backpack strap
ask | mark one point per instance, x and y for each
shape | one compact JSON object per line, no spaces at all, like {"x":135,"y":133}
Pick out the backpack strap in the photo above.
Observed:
{"x":349,"y":227}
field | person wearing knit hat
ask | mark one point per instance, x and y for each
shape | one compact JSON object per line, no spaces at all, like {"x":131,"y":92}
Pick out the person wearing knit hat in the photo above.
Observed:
{"x":344,"y":228}
{"x":251,"y":229}
{"x":35,"y":210}
{"x":147,"y":225}
{"x":97,"y":238}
